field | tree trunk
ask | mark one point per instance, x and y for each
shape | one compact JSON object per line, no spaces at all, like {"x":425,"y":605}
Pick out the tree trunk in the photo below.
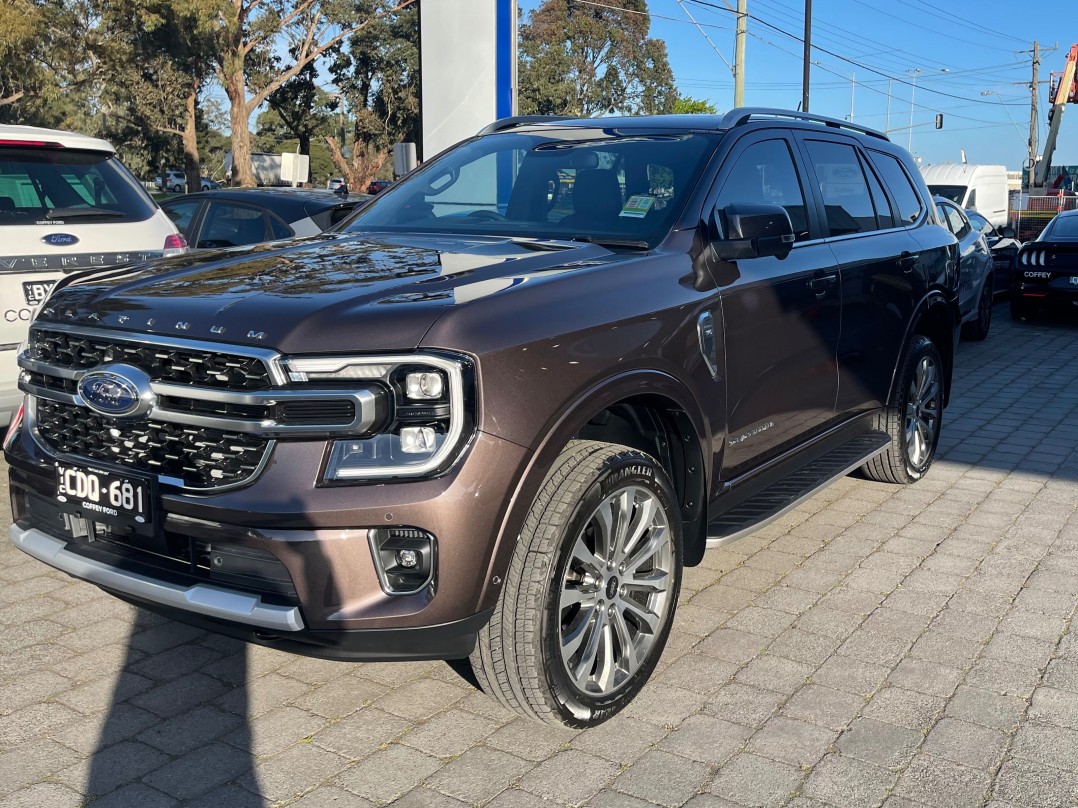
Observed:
{"x":305,"y":143}
{"x":236,"y":89}
{"x":191,"y":164}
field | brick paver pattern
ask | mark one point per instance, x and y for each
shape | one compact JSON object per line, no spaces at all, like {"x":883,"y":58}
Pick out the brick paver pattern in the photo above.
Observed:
{"x":885,"y":645}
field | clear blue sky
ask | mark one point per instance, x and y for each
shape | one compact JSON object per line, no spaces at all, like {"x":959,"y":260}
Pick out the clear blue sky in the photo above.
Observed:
{"x":963,"y":47}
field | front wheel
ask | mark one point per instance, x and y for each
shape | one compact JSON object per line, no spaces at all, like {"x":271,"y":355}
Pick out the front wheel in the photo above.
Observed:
{"x":590,"y":593}
{"x":912,"y":418}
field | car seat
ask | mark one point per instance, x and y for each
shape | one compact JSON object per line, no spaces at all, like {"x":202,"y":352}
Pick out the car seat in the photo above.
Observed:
{"x":596,"y":200}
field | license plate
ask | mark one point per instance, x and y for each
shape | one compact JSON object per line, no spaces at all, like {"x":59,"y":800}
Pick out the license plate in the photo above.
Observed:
{"x":103,"y":495}
{"x":1074,"y":280}
{"x":35,"y":291}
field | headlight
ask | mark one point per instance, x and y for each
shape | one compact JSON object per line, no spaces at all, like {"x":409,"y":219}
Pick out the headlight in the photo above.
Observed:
{"x":430,"y":414}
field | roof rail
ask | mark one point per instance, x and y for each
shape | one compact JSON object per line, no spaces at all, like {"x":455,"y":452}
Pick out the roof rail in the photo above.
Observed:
{"x":521,"y":120}
{"x":742,"y":115}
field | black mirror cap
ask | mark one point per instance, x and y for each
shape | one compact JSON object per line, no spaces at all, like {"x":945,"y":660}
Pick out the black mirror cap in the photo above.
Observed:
{"x":1006,"y":232}
{"x":751,"y":231}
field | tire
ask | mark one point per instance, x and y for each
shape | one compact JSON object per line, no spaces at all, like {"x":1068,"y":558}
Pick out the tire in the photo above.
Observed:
{"x":912,"y":418}
{"x":557,"y":647}
{"x":978,"y":328}
{"x":1020,"y":310}
{"x":175,"y":189}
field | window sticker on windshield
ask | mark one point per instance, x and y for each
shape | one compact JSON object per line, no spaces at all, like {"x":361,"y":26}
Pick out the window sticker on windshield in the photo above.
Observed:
{"x":637,"y":207}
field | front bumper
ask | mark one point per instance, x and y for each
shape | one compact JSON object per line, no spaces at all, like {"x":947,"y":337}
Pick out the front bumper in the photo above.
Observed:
{"x":322,"y":595}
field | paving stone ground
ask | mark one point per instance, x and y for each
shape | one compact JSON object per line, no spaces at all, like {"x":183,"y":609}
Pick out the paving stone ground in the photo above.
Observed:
{"x":879,"y":645}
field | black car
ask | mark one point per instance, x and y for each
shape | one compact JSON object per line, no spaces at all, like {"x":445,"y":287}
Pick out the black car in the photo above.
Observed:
{"x":975,"y":276}
{"x":1046,"y":269}
{"x":1004,"y":248}
{"x":233,"y":218}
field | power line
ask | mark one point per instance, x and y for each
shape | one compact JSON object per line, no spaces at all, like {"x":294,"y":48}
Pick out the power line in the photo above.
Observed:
{"x":967,"y":23}
{"x":842,"y":58}
{"x":926,"y":28}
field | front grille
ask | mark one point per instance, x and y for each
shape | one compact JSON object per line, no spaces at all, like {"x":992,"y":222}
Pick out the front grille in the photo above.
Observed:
{"x":202,"y":368}
{"x":200,"y":457}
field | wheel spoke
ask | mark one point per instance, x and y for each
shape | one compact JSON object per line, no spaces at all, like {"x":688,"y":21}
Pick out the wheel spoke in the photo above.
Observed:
{"x":585,"y":635}
{"x":647,"y":619}
{"x":573,"y":595}
{"x":604,"y":532}
{"x":586,"y":558}
{"x":623,"y":510}
{"x":606,"y":671}
{"x":657,"y":580}
{"x":641,"y":521}
{"x":647,"y":550}
{"x":629,"y":661}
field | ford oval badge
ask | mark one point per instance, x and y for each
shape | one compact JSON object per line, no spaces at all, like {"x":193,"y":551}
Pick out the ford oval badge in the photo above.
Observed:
{"x":116,"y":391}
{"x":60,"y":239}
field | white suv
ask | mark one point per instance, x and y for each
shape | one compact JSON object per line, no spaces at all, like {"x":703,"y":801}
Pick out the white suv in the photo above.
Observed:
{"x":66,"y":203}
{"x":175,"y":181}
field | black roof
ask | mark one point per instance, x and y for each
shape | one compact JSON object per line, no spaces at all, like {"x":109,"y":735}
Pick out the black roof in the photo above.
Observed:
{"x":291,"y":204}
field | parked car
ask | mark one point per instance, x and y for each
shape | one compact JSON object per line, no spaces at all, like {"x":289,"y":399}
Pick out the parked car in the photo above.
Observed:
{"x":472,"y":421}
{"x":337,"y":184}
{"x":174,"y":181}
{"x":983,"y":188}
{"x":233,"y":218}
{"x":1003,"y":246}
{"x":66,"y":203}
{"x":377,"y":186}
{"x":975,"y":281}
{"x":1046,"y":269}
{"x":206,"y":184}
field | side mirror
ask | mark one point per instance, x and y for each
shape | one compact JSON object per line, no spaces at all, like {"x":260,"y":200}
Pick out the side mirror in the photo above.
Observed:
{"x":1007,"y":232}
{"x":751,"y":231}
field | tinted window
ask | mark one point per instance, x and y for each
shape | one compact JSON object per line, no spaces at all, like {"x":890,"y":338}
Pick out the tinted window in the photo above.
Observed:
{"x":280,"y":230}
{"x":228,"y":225}
{"x":765,"y":174}
{"x":883,"y":207}
{"x":978,"y":221}
{"x":843,"y":188}
{"x":68,"y":185}
{"x":1061,"y":228}
{"x":181,"y":214}
{"x":902,"y":191}
{"x":956,"y":222}
{"x":953,"y":192}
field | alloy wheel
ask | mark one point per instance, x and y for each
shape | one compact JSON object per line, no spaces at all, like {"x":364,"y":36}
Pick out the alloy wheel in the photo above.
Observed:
{"x":614,"y":596}
{"x":922,"y":412}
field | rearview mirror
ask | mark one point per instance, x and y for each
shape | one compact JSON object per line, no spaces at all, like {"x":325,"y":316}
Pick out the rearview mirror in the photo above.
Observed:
{"x":751,"y":231}
{"x":1007,"y":232}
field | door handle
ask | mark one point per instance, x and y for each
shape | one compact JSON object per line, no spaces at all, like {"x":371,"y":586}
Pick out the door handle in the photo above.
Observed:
{"x":907,"y":261}
{"x":820,"y":283}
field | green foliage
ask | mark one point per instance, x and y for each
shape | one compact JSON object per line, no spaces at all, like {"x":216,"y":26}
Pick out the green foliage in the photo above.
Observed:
{"x":591,"y":60}
{"x":693,"y":106}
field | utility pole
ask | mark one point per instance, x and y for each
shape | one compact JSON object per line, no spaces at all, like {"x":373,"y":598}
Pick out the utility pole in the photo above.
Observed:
{"x":915,"y":72}
{"x":807,"y":63}
{"x":739,"y":52}
{"x":853,"y":84}
{"x":1032,"y":158}
{"x":887,"y":126}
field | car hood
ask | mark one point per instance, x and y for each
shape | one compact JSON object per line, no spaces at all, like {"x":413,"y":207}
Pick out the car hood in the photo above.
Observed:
{"x":330,"y":293}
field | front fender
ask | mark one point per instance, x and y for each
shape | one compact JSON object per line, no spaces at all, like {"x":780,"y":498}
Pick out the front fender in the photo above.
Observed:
{"x":564,"y":427}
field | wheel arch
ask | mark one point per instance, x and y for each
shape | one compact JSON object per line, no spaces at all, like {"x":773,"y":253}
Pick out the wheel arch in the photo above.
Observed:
{"x":645,"y":409}
{"x":937,"y":319}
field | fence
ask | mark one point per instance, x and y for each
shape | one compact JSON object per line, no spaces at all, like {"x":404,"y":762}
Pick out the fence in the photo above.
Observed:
{"x":1029,"y":214}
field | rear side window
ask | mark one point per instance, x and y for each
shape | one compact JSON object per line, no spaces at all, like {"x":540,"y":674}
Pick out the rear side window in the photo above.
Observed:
{"x":228,"y":225}
{"x":843,"y":188}
{"x":902,"y":191}
{"x":181,"y":214}
{"x":765,"y":173}
{"x":67,"y":185}
{"x":879,"y":199}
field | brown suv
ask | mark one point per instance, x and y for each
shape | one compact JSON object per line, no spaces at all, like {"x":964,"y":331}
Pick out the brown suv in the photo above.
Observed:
{"x":500,"y":408}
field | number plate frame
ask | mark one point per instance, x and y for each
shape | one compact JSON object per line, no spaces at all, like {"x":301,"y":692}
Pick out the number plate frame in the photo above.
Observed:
{"x":122,"y":520}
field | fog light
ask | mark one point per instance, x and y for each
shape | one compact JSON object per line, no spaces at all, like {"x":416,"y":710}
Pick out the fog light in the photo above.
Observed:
{"x":407,"y":558}
{"x":424,"y":385}
{"x":417,"y":440}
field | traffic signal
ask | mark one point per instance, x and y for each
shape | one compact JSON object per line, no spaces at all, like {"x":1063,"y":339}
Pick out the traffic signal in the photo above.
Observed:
{"x":939,"y":120}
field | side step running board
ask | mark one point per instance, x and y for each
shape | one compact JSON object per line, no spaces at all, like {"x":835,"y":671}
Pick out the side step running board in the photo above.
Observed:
{"x":791,"y":490}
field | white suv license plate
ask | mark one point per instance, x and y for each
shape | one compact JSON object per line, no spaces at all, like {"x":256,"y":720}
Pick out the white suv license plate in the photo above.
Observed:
{"x":101,"y":495}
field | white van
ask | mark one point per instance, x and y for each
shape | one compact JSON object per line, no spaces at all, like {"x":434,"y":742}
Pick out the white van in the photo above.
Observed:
{"x":66,"y":203}
{"x":974,"y":186}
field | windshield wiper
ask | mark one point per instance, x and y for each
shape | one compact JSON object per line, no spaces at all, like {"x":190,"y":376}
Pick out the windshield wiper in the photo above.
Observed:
{"x":630,"y":244}
{"x":84,"y":213}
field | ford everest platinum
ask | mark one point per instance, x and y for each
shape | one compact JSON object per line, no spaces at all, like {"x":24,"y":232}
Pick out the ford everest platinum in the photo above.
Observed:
{"x":501,"y":407}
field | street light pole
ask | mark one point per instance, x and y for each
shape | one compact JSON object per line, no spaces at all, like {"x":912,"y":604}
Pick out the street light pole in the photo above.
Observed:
{"x":915,"y":72}
{"x":887,"y":126}
{"x":853,"y":84}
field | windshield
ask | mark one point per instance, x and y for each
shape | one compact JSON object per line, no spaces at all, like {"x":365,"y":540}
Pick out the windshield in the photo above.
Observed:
{"x":66,"y":185}
{"x":956,"y":193}
{"x":594,"y":184}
